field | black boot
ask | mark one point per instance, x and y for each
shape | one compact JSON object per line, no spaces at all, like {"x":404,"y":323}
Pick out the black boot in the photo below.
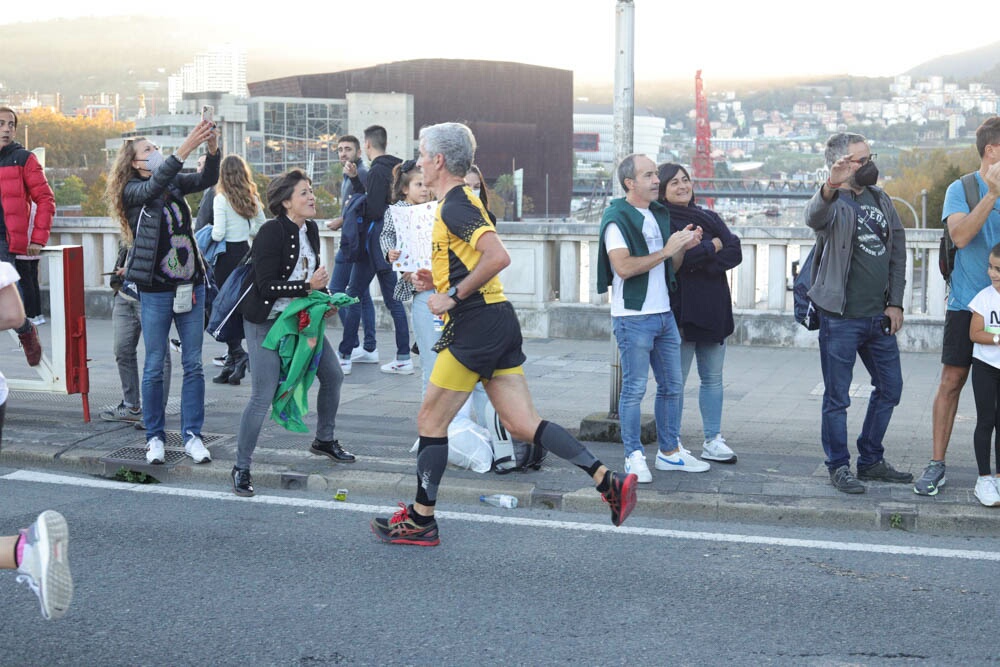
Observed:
{"x":227,"y":371}
{"x":242,"y":360}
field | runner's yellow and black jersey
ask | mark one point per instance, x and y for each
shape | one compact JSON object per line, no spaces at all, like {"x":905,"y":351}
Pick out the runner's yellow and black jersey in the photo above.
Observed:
{"x":460,"y":220}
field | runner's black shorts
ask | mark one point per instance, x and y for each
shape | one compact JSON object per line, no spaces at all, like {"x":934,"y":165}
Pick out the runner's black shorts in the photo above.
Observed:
{"x":485,"y":338}
{"x":956,"y":347}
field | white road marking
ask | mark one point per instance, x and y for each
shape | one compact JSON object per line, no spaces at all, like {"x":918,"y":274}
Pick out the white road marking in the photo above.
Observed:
{"x":159,"y":489}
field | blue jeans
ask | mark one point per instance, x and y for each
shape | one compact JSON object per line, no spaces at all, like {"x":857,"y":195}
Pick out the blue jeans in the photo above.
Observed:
{"x":126,"y":327}
{"x":644,"y":342}
{"x":839,"y":341}
{"x":361,"y":279}
{"x":157,"y":313}
{"x":710,"y":357}
{"x":339,"y":279}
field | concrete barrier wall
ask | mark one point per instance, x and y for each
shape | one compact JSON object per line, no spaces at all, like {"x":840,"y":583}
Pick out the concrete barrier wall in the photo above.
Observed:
{"x":552,"y":278}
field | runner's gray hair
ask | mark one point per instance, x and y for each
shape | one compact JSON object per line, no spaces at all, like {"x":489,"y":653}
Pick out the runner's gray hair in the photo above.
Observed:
{"x":454,"y":141}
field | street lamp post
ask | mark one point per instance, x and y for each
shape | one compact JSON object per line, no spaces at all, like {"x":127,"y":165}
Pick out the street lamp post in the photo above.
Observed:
{"x":624,"y":135}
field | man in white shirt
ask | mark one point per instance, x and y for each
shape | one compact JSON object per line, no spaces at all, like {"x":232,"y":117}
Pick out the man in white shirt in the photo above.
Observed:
{"x":638,"y":266}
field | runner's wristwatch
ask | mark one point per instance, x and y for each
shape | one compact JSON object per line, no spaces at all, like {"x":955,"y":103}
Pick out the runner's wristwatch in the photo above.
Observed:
{"x":453,"y":293}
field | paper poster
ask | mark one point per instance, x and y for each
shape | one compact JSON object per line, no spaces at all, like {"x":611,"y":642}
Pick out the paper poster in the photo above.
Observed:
{"x":414,"y":225}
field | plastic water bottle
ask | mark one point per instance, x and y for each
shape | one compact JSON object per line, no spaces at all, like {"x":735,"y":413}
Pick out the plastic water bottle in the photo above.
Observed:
{"x":500,"y":500}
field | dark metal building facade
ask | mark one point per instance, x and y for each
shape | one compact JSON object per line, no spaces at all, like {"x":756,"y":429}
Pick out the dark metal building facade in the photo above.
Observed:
{"x":522,"y":115}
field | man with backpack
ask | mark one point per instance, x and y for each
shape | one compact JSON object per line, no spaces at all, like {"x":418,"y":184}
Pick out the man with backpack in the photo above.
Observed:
{"x":973,"y":223}
{"x":858,"y":281}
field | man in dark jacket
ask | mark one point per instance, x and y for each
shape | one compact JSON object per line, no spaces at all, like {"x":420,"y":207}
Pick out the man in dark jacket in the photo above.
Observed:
{"x":354,"y":171}
{"x":377,"y":187}
{"x":858,"y":278}
{"x":22,"y":182}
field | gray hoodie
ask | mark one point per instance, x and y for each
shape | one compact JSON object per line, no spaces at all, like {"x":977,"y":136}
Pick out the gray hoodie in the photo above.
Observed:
{"x":835,"y":224}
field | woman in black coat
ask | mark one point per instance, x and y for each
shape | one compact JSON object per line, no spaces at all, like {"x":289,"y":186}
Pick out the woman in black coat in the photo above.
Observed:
{"x":285,"y":258}
{"x":702,"y":303}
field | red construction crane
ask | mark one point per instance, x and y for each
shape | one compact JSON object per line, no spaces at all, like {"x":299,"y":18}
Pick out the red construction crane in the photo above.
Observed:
{"x":703,"y":166}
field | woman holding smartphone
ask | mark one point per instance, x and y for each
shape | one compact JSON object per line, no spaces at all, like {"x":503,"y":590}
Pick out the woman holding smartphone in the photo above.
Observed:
{"x":145,"y":193}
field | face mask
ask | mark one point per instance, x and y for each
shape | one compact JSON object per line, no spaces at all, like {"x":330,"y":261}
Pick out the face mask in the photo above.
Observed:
{"x":156,"y":158}
{"x":866,"y":175}
{"x":475,"y":191}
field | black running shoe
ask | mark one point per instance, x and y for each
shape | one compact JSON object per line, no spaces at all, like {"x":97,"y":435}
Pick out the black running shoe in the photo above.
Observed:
{"x":401,"y":529}
{"x":621,"y":496}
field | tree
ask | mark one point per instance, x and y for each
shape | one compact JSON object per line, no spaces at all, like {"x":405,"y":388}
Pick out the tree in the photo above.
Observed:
{"x":934,"y":171}
{"x":69,"y":141}
{"x":70,"y":192}
{"x":93,"y":202}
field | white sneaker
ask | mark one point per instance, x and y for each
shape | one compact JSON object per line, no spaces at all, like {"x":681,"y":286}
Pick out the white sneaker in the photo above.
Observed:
{"x":363,"y":356}
{"x":38,"y":320}
{"x":45,"y":563}
{"x":986,"y":491}
{"x":398,"y":367}
{"x":154,"y":451}
{"x":636,"y":463}
{"x":196,"y":449}
{"x":717,"y":450}
{"x":681,"y":460}
{"x":345,"y":365}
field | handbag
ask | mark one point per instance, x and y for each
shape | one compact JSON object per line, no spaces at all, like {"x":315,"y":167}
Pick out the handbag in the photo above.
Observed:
{"x":226,"y":322}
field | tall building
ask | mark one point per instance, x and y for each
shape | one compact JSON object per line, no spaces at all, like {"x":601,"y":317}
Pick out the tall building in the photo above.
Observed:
{"x":222,"y":69}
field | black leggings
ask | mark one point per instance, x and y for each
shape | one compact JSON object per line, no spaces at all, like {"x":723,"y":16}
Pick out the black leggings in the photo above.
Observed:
{"x":986,"y":386}
{"x":30,"y":291}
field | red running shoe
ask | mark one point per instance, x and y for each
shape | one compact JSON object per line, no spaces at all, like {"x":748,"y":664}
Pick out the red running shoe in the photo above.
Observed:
{"x":401,"y":529}
{"x":31,"y":345}
{"x":621,"y":496}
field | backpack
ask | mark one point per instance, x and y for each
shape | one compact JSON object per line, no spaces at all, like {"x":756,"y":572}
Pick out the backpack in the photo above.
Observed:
{"x":806,"y":312}
{"x":352,"y":233}
{"x":947,"y":248}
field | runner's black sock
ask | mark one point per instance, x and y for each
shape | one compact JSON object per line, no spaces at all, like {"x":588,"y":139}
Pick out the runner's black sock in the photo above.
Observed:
{"x":557,"y":440}
{"x":605,"y":484}
{"x":432,"y":459}
{"x":418,"y":518}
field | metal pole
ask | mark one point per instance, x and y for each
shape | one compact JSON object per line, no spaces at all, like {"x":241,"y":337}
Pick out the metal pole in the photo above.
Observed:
{"x":546,"y":196}
{"x":923,"y":208}
{"x":623,"y":135}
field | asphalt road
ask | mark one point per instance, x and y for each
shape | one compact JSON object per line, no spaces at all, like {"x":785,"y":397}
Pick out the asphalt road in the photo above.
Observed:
{"x":189,"y":575}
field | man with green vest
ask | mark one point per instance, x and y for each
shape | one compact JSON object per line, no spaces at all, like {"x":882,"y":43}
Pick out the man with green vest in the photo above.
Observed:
{"x":636,"y":263}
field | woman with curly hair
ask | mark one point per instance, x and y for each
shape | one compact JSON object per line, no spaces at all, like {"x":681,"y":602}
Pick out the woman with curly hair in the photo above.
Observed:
{"x":237,"y":214}
{"x":145,"y":193}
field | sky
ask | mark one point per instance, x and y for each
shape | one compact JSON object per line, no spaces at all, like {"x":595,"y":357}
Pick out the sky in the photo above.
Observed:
{"x":727,"y":39}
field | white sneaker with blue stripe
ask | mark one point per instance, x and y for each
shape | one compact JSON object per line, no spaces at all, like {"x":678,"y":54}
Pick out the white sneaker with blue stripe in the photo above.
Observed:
{"x":681,"y":460}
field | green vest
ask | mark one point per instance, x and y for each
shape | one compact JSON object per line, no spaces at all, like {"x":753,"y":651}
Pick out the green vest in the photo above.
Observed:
{"x":630,"y":220}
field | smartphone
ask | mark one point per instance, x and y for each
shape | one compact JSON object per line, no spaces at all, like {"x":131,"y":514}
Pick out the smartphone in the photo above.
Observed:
{"x":183,"y":298}
{"x":208,"y":113}
{"x":886,"y":325}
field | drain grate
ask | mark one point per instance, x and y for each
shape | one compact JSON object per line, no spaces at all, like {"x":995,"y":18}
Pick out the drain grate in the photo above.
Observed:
{"x":138,"y":455}
{"x":173,"y":452}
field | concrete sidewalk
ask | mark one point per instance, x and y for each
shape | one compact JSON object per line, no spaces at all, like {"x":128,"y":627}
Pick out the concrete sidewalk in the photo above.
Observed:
{"x":771,"y":420}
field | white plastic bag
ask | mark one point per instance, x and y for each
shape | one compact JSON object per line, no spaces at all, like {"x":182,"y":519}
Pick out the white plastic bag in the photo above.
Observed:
{"x":468,"y":445}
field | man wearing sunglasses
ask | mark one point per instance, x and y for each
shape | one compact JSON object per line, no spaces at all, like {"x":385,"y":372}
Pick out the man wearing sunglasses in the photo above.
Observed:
{"x":857,"y":283}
